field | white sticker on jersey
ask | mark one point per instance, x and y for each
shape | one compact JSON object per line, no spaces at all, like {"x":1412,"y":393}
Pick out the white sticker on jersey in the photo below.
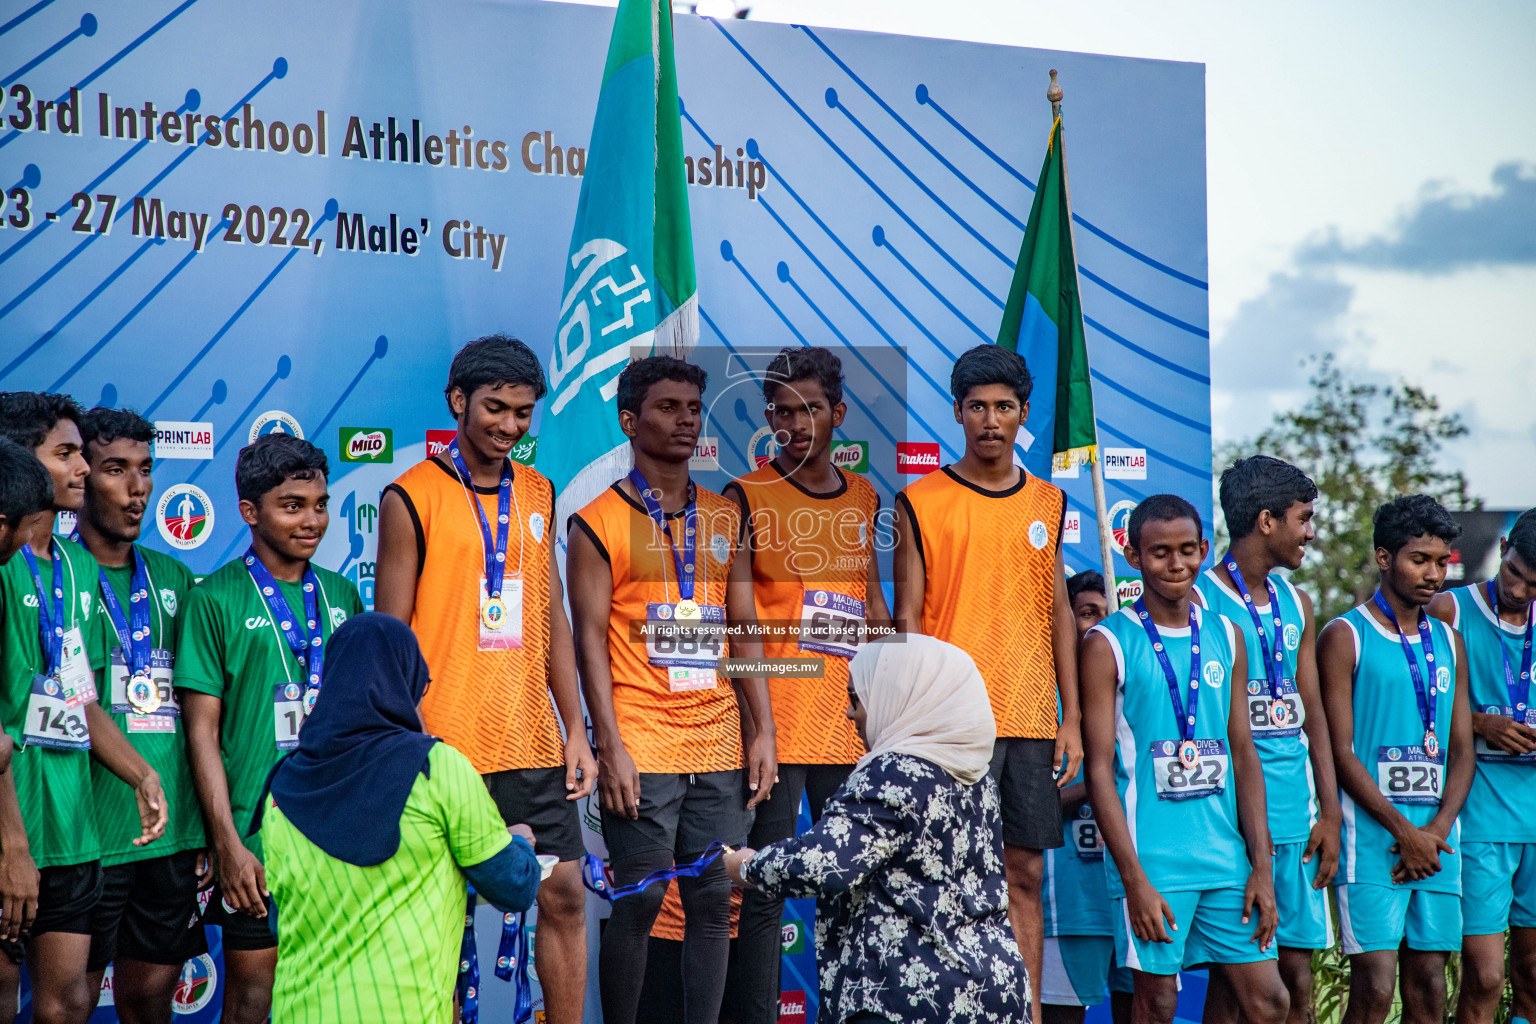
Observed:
{"x":831,"y":623}
{"x":1084,"y":831}
{"x":1207,"y":777}
{"x":160,"y":671}
{"x":51,"y":722}
{"x":1407,"y":775}
{"x":699,"y":643}
{"x":1493,"y":755}
{"x":1262,"y":716}
{"x":287,"y":714}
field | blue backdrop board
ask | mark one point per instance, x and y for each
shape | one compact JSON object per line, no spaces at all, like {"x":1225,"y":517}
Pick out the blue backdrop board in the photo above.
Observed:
{"x":240,"y":218}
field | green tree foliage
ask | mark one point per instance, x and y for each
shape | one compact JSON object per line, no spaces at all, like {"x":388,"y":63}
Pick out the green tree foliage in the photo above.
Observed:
{"x":1364,"y":444}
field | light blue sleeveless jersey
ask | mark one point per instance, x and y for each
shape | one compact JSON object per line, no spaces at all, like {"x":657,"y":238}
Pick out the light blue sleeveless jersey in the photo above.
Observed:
{"x":1284,"y":750}
{"x":1388,"y":740}
{"x":1183,"y":844}
{"x":1074,"y":893}
{"x":1501,"y":808}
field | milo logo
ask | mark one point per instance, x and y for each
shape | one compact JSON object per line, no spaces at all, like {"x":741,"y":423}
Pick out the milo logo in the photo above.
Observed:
{"x":367,"y":444}
{"x":851,"y":455}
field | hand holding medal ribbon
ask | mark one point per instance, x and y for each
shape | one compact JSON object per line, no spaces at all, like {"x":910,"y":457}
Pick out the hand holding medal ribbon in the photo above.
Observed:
{"x":1426,"y":695}
{"x":310,"y":648}
{"x":1274,"y":660}
{"x":597,"y":882}
{"x":1519,"y":688}
{"x":1189,"y":753}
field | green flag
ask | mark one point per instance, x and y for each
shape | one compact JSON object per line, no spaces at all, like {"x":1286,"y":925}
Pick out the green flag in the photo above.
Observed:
{"x":1043,"y":322}
{"x":630,"y":289}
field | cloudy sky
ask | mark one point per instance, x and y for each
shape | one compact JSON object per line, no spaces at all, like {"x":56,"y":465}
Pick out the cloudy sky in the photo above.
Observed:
{"x":1372,"y":185}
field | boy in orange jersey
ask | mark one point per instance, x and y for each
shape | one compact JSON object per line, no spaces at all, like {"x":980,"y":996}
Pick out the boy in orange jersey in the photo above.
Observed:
{"x":811,"y":530}
{"x":466,"y":556}
{"x":978,"y":564}
{"x":655,"y":584}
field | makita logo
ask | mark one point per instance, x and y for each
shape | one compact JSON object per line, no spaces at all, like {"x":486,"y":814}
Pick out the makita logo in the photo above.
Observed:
{"x":792,"y":1007}
{"x":913,"y":457}
{"x":257,"y":622}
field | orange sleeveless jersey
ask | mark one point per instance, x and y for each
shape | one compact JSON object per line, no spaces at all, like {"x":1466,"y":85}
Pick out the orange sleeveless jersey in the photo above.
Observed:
{"x":492,"y":706}
{"x":810,"y":541}
{"x":989,"y":558}
{"x":691,"y":731}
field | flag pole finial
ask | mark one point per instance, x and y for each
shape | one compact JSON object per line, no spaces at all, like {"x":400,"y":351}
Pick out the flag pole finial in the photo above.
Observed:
{"x":1054,"y":94}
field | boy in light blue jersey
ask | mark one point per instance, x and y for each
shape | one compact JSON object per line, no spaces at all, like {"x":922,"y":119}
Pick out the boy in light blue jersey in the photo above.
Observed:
{"x":1175,"y":780}
{"x":1079,"y":923}
{"x":1268,"y":507}
{"x":1394,"y":682}
{"x":1498,"y":829}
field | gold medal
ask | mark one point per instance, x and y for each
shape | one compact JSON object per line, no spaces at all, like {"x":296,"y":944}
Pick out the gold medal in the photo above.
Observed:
{"x":687,"y":611}
{"x":493,"y":613}
{"x":143,"y":694}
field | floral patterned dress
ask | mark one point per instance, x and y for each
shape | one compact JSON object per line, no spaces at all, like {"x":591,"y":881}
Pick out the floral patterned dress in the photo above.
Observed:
{"x":912,"y":908}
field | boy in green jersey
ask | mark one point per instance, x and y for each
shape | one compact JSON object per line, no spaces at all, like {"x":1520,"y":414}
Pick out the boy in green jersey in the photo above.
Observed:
{"x":248,"y":667}
{"x":52,"y":639}
{"x":26,"y":499}
{"x":147,"y":920}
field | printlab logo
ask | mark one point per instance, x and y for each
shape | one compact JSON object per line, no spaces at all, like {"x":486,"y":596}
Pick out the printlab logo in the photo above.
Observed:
{"x":1125,"y":463}
{"x":185,"y":516}
{"x":1120,"y":522}
{"x":1072,"y":527}
{"x":852,"y":456}
{"x":706,"y":455}
{"x":367,"y":444}
{"x":914,"y":458}
{"x":275,"y":421}
{"x":175,"y":439}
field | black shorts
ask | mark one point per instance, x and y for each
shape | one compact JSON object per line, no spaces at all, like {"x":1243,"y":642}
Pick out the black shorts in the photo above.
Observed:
{"x":682,"y":814}
{"x":148,"y":912}
{"x":536,"y":797}
{"x":1025,"y":773}
{"x":241,"y":931}
{"x":66,"y":896}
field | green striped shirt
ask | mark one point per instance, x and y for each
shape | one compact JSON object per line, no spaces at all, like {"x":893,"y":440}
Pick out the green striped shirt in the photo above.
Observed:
{"x":381,"y":944}
{"x":117,"y":811}
{"x":53,"y":786}
{"x":231,"y":648}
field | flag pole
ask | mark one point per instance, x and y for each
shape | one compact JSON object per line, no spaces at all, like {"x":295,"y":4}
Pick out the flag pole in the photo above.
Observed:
{"x":1096,"y":466}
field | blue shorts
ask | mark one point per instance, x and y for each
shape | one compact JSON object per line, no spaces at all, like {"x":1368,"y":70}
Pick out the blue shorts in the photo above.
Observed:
{"x":1210,"y":931}
{"x":1304,"y":919}
{"x":1498,"y":887}
{"x":1076,"y":969}
{"x":1376,"y":917}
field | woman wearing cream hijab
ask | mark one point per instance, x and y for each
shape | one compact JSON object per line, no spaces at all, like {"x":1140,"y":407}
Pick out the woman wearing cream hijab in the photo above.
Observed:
{"x":907,"y":861}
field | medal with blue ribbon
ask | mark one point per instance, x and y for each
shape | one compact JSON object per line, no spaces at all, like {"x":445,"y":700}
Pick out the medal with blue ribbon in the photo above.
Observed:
{"x":597,"y":882}
{"x":493,"y":612}
{"x":309,"y":648}
{"x":1519,"y":688}
{"x":133,"y":634}
{"x":1426,"y":696}
{"x":50,"y":619}
{"x":1274,"y":661}
{"x":468,"y":986}
{"x":1189,"y":753}
{"x":511,"y":965}
{"x":687,"y":609}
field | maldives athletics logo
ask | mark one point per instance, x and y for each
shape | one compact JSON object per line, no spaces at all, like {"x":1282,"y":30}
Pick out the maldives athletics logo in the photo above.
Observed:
{"x":763,"y":448}
{"x":185,"y":516}
{"x":274,"y":421}
{"x":1120,"y":522}
{"x":195,"y":988}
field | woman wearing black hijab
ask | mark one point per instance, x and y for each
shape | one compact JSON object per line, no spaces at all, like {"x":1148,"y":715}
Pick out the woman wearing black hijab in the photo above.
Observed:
{"x":370,"y":830}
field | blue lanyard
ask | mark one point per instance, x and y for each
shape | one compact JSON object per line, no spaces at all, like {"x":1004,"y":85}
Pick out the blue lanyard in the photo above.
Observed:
{"x":1186,"y":717}
{"x":468,"y":986}
{"x":1519,"y":689}
{"x":1274,"y":664}
{"x":50,"y":624}
{"x":512,"y":964}
{"x":133,"y":631}
{"x":1425,"y":695}
{"x":683,"y":562}
{"x":597,"y":883}
{"x":495,"y":551}
{"x":310,"y":648}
